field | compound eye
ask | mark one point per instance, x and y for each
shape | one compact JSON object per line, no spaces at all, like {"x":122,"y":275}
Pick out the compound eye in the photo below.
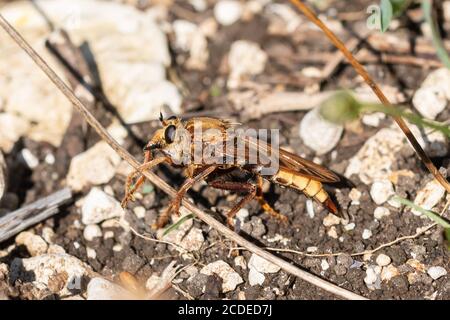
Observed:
{"x":169,"y":134}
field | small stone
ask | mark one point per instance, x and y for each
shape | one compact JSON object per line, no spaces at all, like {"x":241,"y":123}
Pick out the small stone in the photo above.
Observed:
{"x":312,"y":249}
{"x":56,"y":249}
{"x":108,"y":235}
{"x":193,"y":241}
{"x":375,"y":160}
{"x":383,"y":260}
{"x":242,"y":214}
{"x":373,"y":119}
{"x":372,"y":275}
{"x":101,"y":289}
{"x":318,"y":134}
{"x":231,"y":279}
{"x":262,"y":265}
{"x":416,"y":265}
{"x":29,"y":158}
{"x":139,"y":212}
{"x":332,"y":233}
{"x":381,"y":212}
{"x":227,"y":12}
{"x":331,"y":220}
{"x":239,"y":261}
{"x":345,"y":260}
{"x":48,"y":234}
{"x":255,"y":277}
{"x":436,"y":272}
{"x":389,"y":272}
{"x":95,"y":166}
{"x":432,"y":97}
{"x":381,"y":191}
{"x":42,"y":270}
{"x":245,"y":59}
{"x":91,"y":253}
{"x":366,"y":234}
{"x":310,"y":208}
{"x":132,"y":263}
{"x":98,"y":206}
{"x":355,"y":195}
{"x":35,"y":245}
{"x":429,"y":196}
{"x":350,"y":226}
{"x":91,"y":232}
{"x":324,"y":265}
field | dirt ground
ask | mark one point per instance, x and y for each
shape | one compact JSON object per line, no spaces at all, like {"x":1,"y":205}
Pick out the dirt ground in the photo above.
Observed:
{"x":207,"y":91}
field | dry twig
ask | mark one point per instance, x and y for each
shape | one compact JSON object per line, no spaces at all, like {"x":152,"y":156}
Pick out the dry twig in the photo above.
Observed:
{"x":286,"y":266}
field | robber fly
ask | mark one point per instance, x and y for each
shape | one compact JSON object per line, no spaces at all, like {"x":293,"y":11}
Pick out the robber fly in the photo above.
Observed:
{"x":177,"y":136}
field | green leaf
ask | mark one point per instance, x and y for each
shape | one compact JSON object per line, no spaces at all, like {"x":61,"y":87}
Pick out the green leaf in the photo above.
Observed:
{"x":387,"y":13}
{"x":430,"y":214}
{"x":437,"y":39}
{"x":399,"y":6}
{"x":177,"y":224}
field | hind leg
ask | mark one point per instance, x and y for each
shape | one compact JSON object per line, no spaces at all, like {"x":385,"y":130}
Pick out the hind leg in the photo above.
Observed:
{"x":249,"y":188}
{"x":264,"y":204}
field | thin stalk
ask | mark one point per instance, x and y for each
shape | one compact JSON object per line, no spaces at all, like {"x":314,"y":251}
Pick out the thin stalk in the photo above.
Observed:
{"x":375,"y":88}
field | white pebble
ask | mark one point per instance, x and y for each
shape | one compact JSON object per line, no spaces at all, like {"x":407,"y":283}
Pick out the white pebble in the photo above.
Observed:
{"x":312,"y":249}
{"x":310,"y":208}
{"x":429,"y":196}
{"x":381,"y":191}
{"x":331,"y":220}
{"x":239,"y":261}
{"x":366,"y":234}
{"x":350,"y":226}
{"x":381,"y":212}
{"x":436,"y":272}
{"x":35,"y":245}
{"x":355,"y":195}
{"x":30,"y":159}
{"x":245,"y":58}
{"x":383,"y":260}
{"x":324,"y":265}
{"x":262,"y":265}
{"x":227,"y":12}
{"x":101,"y":289}
{"x":432,"y":97}
{"x":139,"y":211}
{"x":255,"y":277}
{"x":98,"y":206}
{"x":332,"y":233}
{"x":91,"y":253}
{"x":318,"y":134}
{"x":231,"y":279}
{"x":91,"y":232}
{"x":389,"y":272}
{"x":242,"y":214}
{"x":50,"y":159}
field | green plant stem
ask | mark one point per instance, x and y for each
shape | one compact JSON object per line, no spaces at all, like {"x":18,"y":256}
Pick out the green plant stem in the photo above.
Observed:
{"x":430,"y":214}
{"x":408,"y":115}
{"x":427,"y":8}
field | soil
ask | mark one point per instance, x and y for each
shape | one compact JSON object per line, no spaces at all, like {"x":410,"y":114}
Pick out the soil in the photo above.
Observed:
{"x":143,"y":258}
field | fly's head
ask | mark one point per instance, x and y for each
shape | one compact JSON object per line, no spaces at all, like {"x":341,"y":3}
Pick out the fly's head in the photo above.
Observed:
{"x":172,"y":139}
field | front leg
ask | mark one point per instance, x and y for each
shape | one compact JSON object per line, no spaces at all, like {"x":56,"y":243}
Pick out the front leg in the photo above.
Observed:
{"x":130,"y":189}
{"x":175,"y":204}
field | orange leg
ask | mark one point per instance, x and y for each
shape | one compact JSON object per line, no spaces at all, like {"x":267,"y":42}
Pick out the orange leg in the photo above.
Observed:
{"x":130,"y":189}
{"x":176,"y":202}
{"x":265,"y":205}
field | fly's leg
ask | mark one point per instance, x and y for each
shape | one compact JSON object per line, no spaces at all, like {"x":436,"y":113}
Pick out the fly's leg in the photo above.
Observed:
{"x":249,"y":188}
{"x":176,"y":202}
{"x":264,"y":204}
{"x":131,"y":188}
